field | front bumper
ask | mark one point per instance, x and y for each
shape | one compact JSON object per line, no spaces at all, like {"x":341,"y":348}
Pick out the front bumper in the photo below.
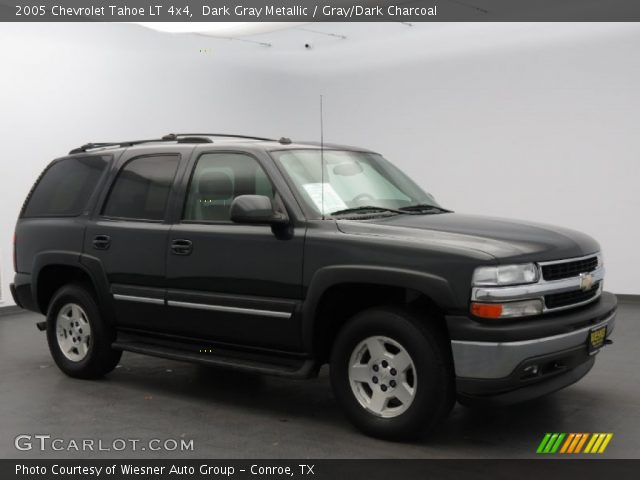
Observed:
{"x":493,"y":361}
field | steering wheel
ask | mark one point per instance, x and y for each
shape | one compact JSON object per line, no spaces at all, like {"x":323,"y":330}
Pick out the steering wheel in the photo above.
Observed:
{"x":362,"y":199}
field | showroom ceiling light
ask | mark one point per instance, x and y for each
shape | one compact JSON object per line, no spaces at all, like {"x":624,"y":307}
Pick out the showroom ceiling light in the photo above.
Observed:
{"x":219,"y":29}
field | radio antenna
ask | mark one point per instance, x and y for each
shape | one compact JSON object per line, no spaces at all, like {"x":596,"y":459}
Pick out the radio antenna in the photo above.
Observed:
{"x":321,"y":159}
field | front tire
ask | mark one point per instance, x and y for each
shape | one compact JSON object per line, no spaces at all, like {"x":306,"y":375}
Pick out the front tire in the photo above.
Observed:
{"x":79,"y":338}
{"x":392,"y":373}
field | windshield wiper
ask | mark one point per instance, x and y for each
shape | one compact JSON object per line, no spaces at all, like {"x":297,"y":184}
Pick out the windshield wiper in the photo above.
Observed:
{"x":424,"y":208}
{"x":370,"y":208}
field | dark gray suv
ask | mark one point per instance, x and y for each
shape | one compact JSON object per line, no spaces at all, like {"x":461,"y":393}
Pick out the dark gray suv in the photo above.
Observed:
{"x":279,"y":257}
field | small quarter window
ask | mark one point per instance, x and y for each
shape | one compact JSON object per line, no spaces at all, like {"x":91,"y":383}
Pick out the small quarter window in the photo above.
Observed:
{"x":142,"y":188}
{"x":65,"y":187}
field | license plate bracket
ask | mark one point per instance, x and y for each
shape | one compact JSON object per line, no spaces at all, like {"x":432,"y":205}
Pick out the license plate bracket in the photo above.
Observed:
{"x":596,"y":339}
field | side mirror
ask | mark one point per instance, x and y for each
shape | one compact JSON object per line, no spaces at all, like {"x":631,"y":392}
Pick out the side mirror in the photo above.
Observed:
{"x":256,"y":209}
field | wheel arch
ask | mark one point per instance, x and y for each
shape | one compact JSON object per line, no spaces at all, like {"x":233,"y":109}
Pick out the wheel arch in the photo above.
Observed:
{"x":359,"y":288}
{"x":52,"y":270}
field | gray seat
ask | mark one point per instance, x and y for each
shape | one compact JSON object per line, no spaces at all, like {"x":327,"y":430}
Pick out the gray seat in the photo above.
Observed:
{"x":213,"y":198}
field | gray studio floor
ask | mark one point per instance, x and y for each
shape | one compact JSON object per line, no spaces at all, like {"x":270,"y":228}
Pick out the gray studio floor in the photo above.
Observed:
{"x":230,"y":415}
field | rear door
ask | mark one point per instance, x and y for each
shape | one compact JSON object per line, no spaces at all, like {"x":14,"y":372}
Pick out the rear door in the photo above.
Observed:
{"x":232,"y":283}
{"x":128,"y":234}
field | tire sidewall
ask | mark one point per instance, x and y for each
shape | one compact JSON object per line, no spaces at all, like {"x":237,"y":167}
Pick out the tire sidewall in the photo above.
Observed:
{"x":78,"y":295}
{"x":431,"y":367}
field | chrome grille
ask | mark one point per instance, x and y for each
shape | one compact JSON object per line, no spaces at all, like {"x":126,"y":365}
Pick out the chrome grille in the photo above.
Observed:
{"x":573,"y":297}
{"x":558,"y":271}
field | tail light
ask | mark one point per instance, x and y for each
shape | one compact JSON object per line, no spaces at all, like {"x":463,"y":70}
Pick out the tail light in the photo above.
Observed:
{"x":15,"y":256}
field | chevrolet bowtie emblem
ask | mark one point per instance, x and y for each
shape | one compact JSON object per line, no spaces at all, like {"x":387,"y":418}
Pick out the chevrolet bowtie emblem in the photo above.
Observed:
{"x":586,"y":281}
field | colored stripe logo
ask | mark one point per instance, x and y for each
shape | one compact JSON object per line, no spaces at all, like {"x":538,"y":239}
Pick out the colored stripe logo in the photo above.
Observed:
{"x":572,"y":443}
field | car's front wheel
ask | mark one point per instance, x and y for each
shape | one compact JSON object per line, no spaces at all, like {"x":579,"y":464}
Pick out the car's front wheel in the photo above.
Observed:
{"x":79,"y":338}
{"x":392,"y":373}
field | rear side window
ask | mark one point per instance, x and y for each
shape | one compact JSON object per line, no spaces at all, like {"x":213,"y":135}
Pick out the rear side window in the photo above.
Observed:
{"x":142,"y":188}
{"x":65,"y":186}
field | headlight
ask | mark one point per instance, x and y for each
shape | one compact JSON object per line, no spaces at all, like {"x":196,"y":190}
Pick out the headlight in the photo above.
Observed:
{"x":501,"y":275}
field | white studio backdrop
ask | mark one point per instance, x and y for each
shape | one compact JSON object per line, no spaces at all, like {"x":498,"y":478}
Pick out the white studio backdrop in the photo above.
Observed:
{"x":532,"y":121}
{"x":63,"y":85}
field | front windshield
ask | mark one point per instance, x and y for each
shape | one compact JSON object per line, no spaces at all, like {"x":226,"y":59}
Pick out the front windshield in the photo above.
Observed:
{"x":350,"y":180}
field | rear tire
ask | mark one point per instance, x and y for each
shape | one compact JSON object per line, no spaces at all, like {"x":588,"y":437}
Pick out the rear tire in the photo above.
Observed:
{"x":79,"y":338}
{"x":392,"y":373}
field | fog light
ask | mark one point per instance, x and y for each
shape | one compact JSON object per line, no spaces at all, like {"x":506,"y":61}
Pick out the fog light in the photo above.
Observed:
{"x":507,"y":310}
{"x":531,"y":371}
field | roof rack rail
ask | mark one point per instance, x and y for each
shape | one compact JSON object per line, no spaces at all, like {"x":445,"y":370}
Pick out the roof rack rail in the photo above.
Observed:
{"x":90,"y":146}
{"x":130,"y":143}
{"x":174,"y":136}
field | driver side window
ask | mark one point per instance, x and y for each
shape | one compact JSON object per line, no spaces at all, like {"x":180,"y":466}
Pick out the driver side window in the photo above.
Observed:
{"x":218,"y":178}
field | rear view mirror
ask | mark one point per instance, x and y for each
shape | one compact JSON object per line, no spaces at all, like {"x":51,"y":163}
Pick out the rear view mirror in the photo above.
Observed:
{"x":347,"y":169}
{"x":256,"y":209}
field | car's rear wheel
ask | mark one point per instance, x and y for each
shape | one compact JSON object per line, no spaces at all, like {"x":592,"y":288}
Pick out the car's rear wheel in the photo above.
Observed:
{"x":392,"y":373}
{"x":79,"y":339}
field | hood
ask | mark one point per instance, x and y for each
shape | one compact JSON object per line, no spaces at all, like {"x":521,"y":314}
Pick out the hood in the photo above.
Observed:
{"x":511,"y":240}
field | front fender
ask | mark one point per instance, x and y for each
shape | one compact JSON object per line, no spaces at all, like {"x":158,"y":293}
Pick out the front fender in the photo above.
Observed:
{"x":436,"y":288}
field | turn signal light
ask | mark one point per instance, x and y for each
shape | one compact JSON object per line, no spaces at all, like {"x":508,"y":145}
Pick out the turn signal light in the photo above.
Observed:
{"x":487,"y":310}
{"x":507,"y":310}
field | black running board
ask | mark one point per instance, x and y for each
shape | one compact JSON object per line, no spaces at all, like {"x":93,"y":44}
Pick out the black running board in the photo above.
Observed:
{"x":300,"y":368}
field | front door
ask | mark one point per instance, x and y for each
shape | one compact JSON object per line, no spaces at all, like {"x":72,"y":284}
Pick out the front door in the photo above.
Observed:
{"x":231,"y":283}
